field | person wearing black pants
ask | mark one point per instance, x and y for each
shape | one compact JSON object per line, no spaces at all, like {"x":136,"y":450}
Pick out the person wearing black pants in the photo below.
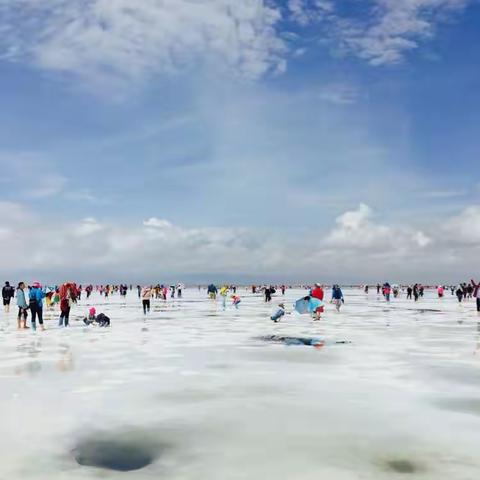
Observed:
{"x":37,"y":311}
{"x":476,"y":293}
{"x":36,"y":305}
{"x":64,"y":316}
{"x":147,"y":294}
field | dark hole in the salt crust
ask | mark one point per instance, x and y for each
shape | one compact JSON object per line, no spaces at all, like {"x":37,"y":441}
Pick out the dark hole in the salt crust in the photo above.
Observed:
{"x":113,"y":455}
{"x":401,"y":466}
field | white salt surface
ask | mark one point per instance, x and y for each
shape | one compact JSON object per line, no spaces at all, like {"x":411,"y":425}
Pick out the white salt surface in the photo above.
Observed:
{"x":196,"y":384}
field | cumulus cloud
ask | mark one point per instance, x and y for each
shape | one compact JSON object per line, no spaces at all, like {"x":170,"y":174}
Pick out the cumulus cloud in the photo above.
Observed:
{"x":357,"y":248}
{"x":357,"y":230}
{"x":127,"y":40}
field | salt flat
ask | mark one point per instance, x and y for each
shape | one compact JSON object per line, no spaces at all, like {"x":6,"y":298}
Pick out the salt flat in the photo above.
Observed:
{"x":195,"y":388}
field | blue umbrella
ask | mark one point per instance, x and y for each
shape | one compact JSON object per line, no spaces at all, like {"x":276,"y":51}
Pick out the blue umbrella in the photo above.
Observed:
{"x":308,"y":305}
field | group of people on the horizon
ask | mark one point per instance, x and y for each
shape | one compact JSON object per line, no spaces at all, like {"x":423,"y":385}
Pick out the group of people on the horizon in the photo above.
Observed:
{"x":30,"y":299}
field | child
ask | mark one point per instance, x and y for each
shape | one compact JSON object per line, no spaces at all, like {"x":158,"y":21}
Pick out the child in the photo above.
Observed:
{"x":101,"y":319}
{"x":236,"y":300}
{"x":279,"y":313}
{"x":91,"y":317}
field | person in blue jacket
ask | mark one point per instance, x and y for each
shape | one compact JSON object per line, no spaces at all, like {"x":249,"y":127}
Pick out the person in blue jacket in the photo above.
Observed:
{"x":337,"y":297}
{"x":36,"y":297}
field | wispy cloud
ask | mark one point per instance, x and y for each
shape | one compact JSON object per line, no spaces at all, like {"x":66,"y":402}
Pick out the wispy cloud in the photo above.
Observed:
{"x":101,"y":40}
{"x":385,"y":32}
{"x":339,"y":93}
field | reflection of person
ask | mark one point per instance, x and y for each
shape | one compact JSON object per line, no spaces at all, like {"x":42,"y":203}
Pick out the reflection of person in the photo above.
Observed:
{"x":65,"y":363}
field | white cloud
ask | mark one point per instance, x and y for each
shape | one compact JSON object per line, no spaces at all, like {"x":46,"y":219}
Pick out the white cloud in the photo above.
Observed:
{"x":87,"y":227}
{"x":102,"y":40}
{"x":157,"y":223}
{"x":388,"y":30}
{"x":463,"y":229}
{"x":357,"y":230}
{"x":358,"y":248}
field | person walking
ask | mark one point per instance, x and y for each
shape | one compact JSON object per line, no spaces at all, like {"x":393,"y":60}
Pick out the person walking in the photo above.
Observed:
{"x":67,"y":298}
{"x":147,"y":294}
{"x":22,"y":306}
{"x":36,"y":297}
{"x":476,"y":293}
{"x":8,"y":292}
{"x":409,"y":292}
{"x":337,"y":297}
{"x":459,"y":293}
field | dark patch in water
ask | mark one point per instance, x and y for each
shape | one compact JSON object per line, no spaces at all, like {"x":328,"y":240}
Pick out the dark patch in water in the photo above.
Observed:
{"x":399,"y":465}
{"x":292,"y":340}
{"x":306,"y":341}
{"x":121,"y":455}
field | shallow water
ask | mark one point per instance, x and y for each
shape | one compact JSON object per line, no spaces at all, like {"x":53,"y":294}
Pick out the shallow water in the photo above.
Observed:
{"x":192,"y":392}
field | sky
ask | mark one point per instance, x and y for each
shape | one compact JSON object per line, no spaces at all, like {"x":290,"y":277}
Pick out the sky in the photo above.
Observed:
{"x":253,"y":140}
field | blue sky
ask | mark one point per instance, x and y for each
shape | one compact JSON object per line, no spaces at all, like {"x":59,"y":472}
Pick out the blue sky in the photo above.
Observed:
{"x":314,"y":139}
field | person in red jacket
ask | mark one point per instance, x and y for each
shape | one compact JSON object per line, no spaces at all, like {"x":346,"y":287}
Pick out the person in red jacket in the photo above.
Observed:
{"x":317,"y":292}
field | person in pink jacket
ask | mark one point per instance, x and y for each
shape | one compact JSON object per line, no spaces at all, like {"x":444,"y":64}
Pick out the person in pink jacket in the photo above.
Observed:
{"x":476,"y":293}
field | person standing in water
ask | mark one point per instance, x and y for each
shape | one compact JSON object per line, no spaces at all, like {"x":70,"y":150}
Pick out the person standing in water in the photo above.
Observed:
{"x":22,"y":306}
{"x":212,"y":291}
{"x":409,"y":292}
{"x":36,"y":305}
{"x":223,"y":294}
{"x":416,"y":292}
{"x":147,"y":294}
{"x":337,"y":297}
{"x":67,"y":298}
{"x":459,"y":293}
{"x":8,"y":292}
{"x":268,"y":294}
{"x":318,"y":293}
{"x":476,"y":293}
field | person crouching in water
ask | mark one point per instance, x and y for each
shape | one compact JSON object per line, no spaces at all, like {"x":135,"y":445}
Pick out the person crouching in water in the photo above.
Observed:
{"x":236,"y":301}
{"x":22,"y":306}
{"x":279,"y":313}
{"x":337,"y":297}
{"x":101,"y":320}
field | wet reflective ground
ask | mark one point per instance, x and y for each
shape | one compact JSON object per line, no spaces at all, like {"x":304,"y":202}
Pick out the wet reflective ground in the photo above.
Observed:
{"x":195,"y":392}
